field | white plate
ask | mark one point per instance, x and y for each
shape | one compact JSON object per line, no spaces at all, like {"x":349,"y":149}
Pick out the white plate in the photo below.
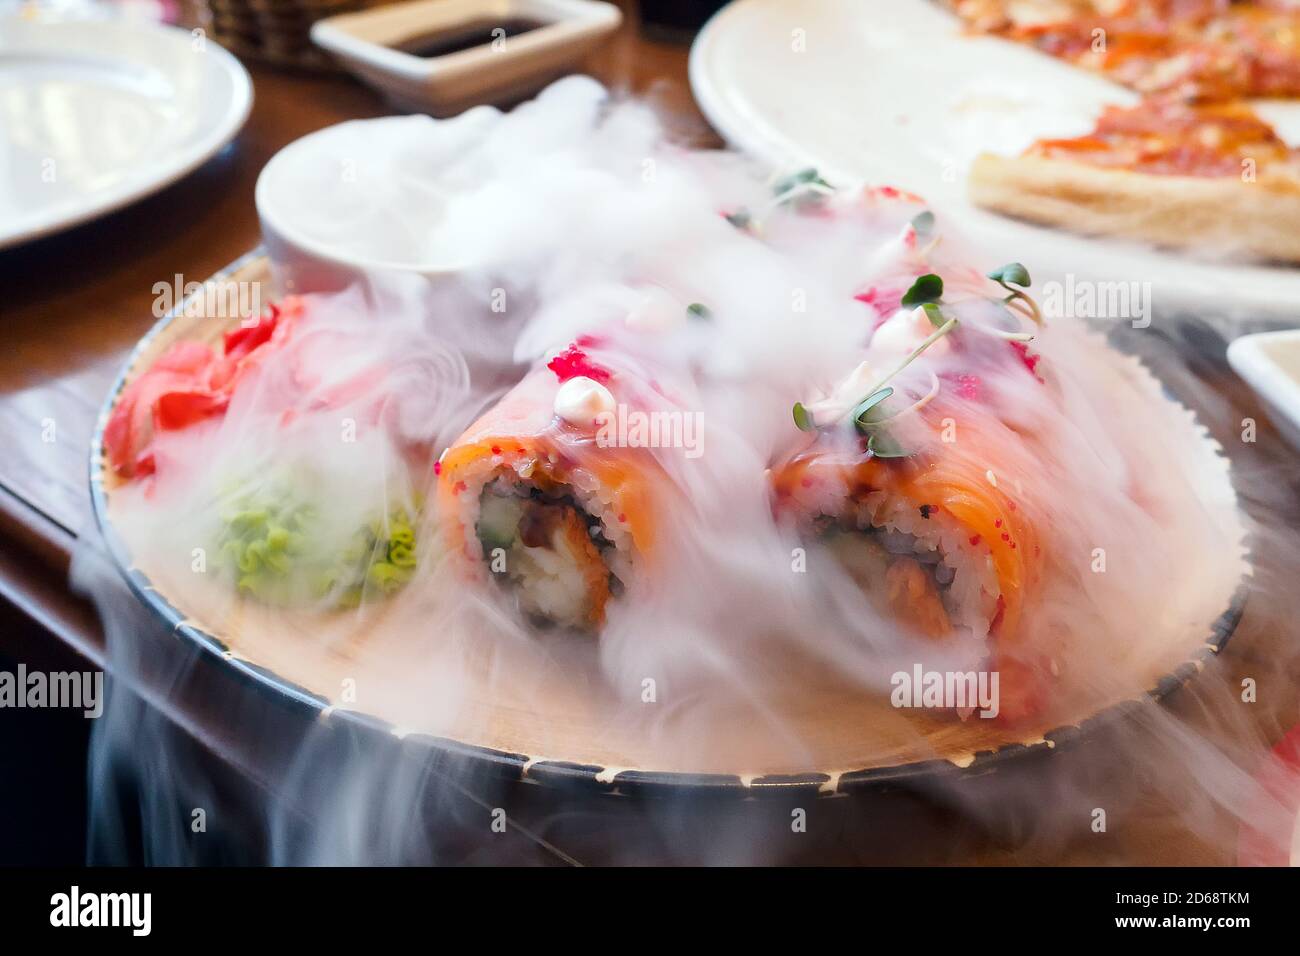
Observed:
{"x":892,"y":91}
{"x":97,"y":114}
{"x":1270,"y":362}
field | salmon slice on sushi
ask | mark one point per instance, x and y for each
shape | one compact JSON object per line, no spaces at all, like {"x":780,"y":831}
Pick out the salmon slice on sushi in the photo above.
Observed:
{"x":930,"y":540}
{"x":537,"y":497}
{"x":918,"y":519}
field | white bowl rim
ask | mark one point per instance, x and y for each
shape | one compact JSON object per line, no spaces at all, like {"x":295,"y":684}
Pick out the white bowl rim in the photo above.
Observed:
{"x":1250,"y":359}
{"x":286,"y":233}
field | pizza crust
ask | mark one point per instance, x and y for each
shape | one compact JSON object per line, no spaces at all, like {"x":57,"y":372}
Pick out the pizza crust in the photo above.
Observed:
{"x":1223,"y":215}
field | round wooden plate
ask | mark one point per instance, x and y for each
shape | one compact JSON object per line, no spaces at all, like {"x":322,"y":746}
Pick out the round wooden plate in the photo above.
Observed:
{"x":849,"y":741}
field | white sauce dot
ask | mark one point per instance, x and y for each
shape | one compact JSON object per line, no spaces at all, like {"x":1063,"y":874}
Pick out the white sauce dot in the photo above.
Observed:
{"x":580,"y":400}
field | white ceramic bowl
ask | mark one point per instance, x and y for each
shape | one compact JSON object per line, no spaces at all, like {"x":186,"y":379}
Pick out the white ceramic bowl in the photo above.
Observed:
{"x":1270,"y":363}
{"x":319,"y":184}
{"x":507,"y":69}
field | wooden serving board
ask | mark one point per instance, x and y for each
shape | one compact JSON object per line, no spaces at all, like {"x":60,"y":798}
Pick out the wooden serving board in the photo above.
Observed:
{"x":569,"y":726}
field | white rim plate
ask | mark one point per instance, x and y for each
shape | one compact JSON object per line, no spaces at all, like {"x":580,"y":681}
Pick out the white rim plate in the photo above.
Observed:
{"x":97,"y":114}
{"x":893,"y":92}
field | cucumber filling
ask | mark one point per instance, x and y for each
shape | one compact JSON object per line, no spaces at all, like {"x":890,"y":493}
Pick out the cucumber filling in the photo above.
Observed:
{"x":549,"y":552}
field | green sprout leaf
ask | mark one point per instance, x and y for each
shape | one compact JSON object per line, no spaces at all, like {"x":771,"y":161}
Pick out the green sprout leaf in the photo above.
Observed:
{"x":934,"y":314}
{"x":868,"y":410}
{"x":882,"y":445}
{"x":1012,"y":273}
{"x":926,"y":288}
{"x":741,"y":218}
{"x":697,"y":311}
{"x":923,"y":223}
{"x":802,"y":177}
{"x":803,"y":419}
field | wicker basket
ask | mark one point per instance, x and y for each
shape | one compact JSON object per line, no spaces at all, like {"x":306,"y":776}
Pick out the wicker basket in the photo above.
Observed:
{"x":273,"y":31}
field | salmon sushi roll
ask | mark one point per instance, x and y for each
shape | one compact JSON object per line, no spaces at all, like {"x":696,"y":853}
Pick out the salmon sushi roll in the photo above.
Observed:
{"x":934,"y":540}
{"x":535,"y":497}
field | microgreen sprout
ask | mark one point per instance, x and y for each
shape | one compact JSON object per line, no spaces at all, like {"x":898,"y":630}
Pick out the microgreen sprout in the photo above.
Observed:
{"x":926,"y":288}
{"x":1015,"y":274}
{"x":933,"y":313}
{"x":867,"y":411}
{"x":881,"y":444}
{"x":741,"y":219}
{"x":803,"y":178}
{"x":933,"y":337}
{"x":866,"y":414}
{"x":919,"y":403}
{"x":795,"y":190}
{"x":926,"y":293}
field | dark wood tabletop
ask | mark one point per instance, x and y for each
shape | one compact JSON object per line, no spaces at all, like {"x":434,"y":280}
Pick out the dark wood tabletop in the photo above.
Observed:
{"x":74,"y":304}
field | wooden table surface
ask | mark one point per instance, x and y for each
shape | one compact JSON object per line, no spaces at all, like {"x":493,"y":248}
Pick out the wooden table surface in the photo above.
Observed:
{"x":73,"y":305}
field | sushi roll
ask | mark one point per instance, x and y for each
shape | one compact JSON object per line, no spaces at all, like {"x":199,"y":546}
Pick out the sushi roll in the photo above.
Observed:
{"x":899,"y":479}
{"x":933,"y":539}
{"x":929,"y":536}
{"x":537,"y":496}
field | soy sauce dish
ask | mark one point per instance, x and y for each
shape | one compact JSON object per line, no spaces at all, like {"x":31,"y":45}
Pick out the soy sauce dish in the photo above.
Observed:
{"x":442,"y":56}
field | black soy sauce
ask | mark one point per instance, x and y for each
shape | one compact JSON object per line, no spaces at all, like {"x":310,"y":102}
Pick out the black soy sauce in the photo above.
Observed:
{"x":467,"y":36}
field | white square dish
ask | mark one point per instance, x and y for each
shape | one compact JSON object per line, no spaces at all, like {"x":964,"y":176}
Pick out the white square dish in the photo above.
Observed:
{"x":1270,"y":364}
{"x":506,"y":65}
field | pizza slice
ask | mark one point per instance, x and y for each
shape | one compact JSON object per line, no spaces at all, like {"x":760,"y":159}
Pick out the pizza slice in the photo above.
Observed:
{"x":1196,"y":49}
{"x":1208,"y":176}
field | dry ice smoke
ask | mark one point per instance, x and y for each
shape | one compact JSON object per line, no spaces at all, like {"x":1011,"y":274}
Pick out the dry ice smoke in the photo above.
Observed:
{"x":578,"y":214}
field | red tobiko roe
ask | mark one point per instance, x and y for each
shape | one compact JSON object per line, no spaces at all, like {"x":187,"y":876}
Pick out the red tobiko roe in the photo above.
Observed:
{"x":968,"y":386}
{"x":883,"y":301}
{"x":573,"y":362}
{"x":1028,"y":358}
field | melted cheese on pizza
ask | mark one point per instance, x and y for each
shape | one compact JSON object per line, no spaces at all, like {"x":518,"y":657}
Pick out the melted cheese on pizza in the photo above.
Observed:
{"x":1199,"y":49}
{"x":1168,"y":137}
